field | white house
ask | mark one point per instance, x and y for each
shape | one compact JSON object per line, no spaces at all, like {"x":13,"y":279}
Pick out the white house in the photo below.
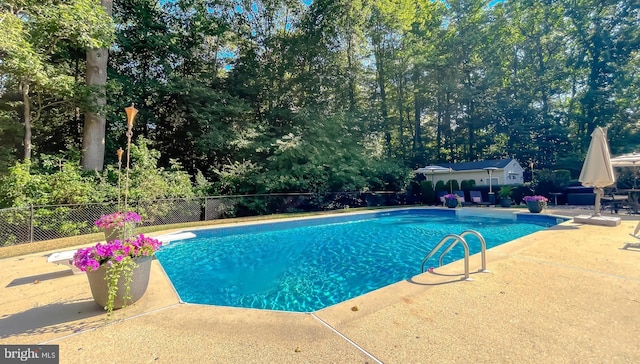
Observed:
{"x":501,"y":172}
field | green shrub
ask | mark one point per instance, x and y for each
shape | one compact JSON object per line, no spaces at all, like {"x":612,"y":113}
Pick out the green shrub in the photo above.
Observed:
{"x":426,"y":192}
{"x":547,"y":181}
{"x":22,"y":188}
{"x":150,"y":182}
{"x":520,"y":191}
{"x":414,"y":188}
{"x":202,"y":185}
{"x":467,"y":185}
{"x":69,"y":186}
{"x":452,"y":185}
{"x":562,"y":178}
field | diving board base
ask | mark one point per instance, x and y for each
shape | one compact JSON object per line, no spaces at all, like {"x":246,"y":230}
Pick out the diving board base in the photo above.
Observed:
{"x":597,"y":220}
{"x":65,"y":258}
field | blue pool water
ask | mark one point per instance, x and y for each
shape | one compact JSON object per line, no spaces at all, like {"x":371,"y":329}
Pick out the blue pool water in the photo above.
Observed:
{"x":306,"y":265}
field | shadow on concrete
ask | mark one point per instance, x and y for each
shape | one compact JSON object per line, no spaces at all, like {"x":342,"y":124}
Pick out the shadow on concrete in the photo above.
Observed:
{"x":458,"y":278}
{"x":563,"y":227}
{"x":39,"y":277}
{"x":63,"y":317}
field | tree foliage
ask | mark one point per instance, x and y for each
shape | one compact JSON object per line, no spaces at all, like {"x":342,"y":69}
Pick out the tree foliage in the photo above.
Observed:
{"x":39,"y":45}
{"x":60,"y":179}
{"x":281,"y":96}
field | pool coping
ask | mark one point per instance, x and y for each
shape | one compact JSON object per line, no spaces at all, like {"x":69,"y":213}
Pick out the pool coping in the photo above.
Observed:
{"x":565,"y":294}
{"x":461,"y":211}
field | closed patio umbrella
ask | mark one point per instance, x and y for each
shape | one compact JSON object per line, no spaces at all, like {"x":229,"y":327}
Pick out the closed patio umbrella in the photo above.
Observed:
{"x":597,"y":171}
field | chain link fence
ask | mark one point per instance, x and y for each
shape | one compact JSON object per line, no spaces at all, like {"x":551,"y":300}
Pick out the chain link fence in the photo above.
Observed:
{"x":38,"y":223}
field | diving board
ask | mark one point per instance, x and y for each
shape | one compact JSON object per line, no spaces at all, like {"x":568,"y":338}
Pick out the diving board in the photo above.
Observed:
{"x":66,"y":257}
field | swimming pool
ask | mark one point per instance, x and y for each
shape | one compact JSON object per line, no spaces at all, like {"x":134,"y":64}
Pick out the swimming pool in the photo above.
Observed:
{"x":304,"y":265}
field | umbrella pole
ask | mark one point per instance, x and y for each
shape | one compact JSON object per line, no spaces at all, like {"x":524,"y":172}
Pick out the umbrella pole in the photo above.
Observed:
{"x":434,"y":195}
{"x":599,"y":192}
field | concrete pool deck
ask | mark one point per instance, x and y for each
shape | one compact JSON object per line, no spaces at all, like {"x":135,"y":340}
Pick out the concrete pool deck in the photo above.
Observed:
{"x":565,"y":294}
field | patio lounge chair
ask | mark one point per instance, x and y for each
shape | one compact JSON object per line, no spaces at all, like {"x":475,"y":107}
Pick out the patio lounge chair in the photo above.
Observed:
{"x":636,"y":234}
{"x":461,"y":200}
{"x":476,"y":198}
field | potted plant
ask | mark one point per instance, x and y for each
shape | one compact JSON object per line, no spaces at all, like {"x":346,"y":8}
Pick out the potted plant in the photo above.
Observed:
{"x":118,"y":270}
{"x":505,"y":195}
{"x":535,"y":203}
{"x":118,"y":224}
{"x":450,"y":200}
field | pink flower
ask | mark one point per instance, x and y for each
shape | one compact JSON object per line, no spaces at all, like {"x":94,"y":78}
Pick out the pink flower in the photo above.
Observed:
{"x":535,"y":198}
{"x":117,"y":220}
{"x":115,"y":251}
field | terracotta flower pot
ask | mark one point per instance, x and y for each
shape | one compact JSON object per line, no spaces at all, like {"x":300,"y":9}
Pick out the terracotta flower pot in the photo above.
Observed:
{"x":139,"y":284}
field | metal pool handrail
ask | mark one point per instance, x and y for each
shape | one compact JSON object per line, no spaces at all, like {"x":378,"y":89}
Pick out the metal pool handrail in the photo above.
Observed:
{"x":457,"y":238}
{"x":483,"y":249}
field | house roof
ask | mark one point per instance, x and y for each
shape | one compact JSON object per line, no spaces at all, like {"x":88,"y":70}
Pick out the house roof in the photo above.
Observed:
{"x":467,"y":166}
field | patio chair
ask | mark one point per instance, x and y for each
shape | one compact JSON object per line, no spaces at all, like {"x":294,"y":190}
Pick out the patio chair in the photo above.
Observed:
{"x":614,"y":202}
{"x":461,"y":200}
{"x":476,"y":198}
{"x":634,"y":201}
{"x":636,"y":234}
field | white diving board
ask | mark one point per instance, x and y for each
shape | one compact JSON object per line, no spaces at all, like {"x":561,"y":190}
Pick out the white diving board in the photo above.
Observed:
{"x":167,"y":238}
{"x":66,"y":257}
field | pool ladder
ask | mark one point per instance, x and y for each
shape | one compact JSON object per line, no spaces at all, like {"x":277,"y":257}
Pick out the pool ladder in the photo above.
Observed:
{"x":454,"y":239}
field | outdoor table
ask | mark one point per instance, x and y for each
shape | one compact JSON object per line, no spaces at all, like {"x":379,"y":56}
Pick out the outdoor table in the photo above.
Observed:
{"x":555,"y":197}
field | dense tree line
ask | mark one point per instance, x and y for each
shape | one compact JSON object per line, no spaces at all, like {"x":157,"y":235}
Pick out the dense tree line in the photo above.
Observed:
{"x":283,"y":96}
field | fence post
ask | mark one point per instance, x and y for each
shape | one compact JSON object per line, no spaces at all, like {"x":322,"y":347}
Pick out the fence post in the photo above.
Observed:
{"x":31,"y":223}
{"x":206,"y":202}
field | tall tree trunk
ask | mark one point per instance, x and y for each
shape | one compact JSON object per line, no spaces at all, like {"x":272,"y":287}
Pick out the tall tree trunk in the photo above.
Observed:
{"x":416,"y":149}
{"x":351,"y":72}
{"x":93,"y":136}
{"x":400,"y":103}
{"x":446,"y":126}
{"x":24,"y":86}
{"x":383,"y":97}
{"x":471,"y":123}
